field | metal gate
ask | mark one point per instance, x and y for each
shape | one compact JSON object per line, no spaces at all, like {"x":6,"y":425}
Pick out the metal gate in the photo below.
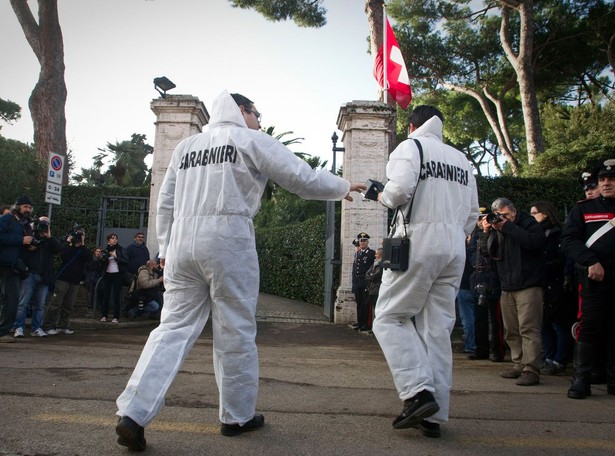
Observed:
{"x":124,"y":216}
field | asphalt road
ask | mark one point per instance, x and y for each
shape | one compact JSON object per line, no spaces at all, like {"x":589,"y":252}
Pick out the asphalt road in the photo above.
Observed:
{"x":324,"y":390}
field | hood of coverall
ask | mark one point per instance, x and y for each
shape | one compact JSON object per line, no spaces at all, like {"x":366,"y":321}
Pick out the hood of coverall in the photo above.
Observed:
{"x":433,"y":128}
{"x":225,"y":111}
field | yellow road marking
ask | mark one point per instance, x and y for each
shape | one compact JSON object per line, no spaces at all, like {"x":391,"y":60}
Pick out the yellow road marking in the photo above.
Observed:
{"x":540,"y":443}
{"x":173,"y":426}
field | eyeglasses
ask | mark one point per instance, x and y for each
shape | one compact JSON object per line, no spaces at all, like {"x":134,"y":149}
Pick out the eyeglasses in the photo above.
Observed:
{"x":257,"y":114}
{"x":534,"y":212}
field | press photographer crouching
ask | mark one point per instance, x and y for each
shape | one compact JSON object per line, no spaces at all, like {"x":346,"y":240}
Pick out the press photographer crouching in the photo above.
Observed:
{"x":145,"y":296}
{"x":75,"y":257}
{"x":38,"y":257}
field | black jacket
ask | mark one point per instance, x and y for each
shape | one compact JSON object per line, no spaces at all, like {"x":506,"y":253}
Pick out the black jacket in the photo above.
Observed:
{"x":519,"y":252}
{"x":363,"y":260}
{"x":39,"y":258}
{"x":74,"y":264}
{"x":585,"y":219}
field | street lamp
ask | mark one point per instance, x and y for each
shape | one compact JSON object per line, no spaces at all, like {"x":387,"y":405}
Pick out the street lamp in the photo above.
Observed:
{"x":335,"y":149}
{"x":162,"y":84}
{"x":330,"y":261}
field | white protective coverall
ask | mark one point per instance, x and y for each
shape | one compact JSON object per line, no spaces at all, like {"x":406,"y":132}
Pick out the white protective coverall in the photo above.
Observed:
{"x":210,"y":193}
{"x":444,"y":211}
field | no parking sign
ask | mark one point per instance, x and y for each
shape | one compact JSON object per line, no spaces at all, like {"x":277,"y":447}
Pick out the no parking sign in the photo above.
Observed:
{"x":55,"y":174}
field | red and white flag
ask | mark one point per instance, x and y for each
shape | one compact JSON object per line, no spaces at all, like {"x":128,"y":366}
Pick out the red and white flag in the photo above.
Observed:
{"x":397,"y":78}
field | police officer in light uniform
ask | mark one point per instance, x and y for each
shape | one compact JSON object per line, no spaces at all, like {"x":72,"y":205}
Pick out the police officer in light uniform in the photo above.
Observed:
{"x":444,"y":212}
{"x":211,"y":192}
{"x":588,"y":239}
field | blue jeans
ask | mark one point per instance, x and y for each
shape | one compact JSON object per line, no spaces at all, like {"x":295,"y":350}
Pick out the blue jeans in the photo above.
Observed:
{"x":151,"y":307}
{"x":34,"y":290}
{"x":465,"y":301}
{"x":556,"y":342}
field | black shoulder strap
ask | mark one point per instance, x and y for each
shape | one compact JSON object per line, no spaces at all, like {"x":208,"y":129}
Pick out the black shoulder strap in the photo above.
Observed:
{"x":407,"y":216}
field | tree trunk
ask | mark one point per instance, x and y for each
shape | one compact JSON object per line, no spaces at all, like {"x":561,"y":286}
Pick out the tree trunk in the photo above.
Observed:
{"x":524,"y":69}
{"x":48,"y":100}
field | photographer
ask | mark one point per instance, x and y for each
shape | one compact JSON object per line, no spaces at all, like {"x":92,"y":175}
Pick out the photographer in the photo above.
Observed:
{"x":146,"y":297}
{"x":38,"y":257}
{"x":485,"y":286}
{"x":114,"y":265}
{"x":75,"y":257}
{"x":516,"y":242}
{"x":12,"y":237}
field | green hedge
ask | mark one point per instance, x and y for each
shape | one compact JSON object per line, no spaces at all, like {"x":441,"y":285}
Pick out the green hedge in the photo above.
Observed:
{"x":563,"y":193}
{"x":292,"y":260}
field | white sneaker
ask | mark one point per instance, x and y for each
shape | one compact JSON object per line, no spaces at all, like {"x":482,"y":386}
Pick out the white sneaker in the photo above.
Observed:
{"x":38,"y":333}
{"x":18,"y":332}
{"x":53,"y":332}
{"x":67,"y":331}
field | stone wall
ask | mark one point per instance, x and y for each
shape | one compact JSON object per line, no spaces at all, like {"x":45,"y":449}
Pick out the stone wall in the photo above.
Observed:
{"x":177,"y":117}
{"x":366,"y":127}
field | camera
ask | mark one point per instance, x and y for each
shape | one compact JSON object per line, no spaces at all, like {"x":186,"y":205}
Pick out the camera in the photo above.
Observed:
{"x":76,"y":235}
{"x":481,"y":290}
{"x":355,"y":243}
{"x":40,"y":226}
{"x":373,"y":188}
{"x":494,"y":217}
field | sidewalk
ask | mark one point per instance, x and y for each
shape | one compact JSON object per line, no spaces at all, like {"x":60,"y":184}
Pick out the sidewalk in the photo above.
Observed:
{"x":324,"y":390}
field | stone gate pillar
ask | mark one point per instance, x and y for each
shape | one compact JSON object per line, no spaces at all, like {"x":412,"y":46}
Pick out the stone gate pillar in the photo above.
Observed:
{"x":367,"y":128}
{"x":177,"y":117}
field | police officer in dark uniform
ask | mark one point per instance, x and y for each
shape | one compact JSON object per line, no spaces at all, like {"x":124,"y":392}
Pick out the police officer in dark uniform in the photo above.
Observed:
{"x":588,"y":239}
{"x":589,"y":184}
{"x":363,"y":260}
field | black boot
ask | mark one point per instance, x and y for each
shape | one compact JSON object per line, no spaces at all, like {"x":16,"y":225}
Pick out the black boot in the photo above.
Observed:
{"x":610,"y":377}
{"x":582,"y":360}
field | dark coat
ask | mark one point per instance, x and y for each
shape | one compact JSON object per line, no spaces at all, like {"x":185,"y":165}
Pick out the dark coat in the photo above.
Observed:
{"x":11,"y":239}
{"x":519,"y":252}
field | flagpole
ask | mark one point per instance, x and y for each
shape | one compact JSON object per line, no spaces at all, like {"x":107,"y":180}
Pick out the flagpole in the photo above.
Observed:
{"x":385,"y":55}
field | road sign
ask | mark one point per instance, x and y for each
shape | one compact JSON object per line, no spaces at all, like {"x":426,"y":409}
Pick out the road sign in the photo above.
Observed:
{"x":53,"y":199}
{"x":55,"y":174}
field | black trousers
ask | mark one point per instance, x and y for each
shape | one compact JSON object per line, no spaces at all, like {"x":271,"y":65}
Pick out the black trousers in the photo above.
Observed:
{"x":597,"y":315}
{"x":362,"y":299}
{"x":9,"y":299}
{"x":489,"y":329}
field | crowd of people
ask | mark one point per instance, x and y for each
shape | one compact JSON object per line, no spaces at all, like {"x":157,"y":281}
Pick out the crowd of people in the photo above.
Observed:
{"x":32,"y":285}
{"x":545,"y":288}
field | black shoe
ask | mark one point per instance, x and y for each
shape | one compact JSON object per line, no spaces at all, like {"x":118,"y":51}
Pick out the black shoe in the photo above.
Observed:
{"x":231,"y":430}
{"x":475,"y":356}
{"x":429,"y":429}
{"x":579,"y":389}
{"x":130,"y":434}
{"x":497,"y":358}
{"x":421,"y":406}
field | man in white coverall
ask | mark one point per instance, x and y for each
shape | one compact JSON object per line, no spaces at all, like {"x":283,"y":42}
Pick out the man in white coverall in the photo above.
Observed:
{"x":444,"y":212}
{"x":211,"y":192}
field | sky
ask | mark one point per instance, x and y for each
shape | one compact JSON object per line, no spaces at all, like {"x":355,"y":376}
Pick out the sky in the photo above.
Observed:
{"x":297,"y":77}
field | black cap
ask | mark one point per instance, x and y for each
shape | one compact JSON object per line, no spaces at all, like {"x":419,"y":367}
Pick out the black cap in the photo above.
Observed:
{"x":607,"y":169}
{"x":588,"y":180}
{"x":362,"y":235}
{"x":23,"y":200}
